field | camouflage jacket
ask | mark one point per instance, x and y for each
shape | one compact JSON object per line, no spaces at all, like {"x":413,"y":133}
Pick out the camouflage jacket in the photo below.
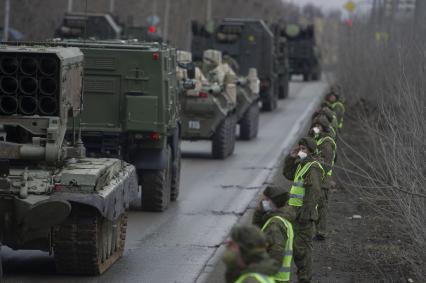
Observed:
{"x":275,"y":233}
{"x":312,"y":182}
{"x":263,"y":265}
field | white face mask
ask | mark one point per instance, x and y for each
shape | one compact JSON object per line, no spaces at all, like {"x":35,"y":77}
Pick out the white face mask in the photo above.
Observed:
{"x":266,"y":205}
{"x":302,"y":155}
{"x":316,"y":130}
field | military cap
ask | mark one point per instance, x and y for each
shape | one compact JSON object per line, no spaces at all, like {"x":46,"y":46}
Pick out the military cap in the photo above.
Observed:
{"x":277,"y":195}
{"x":309,"y":143}
{"x":323,"y":121}
{"x":249,"y":238}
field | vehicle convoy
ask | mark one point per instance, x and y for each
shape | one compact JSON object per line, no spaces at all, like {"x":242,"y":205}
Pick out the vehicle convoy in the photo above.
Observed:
{"x":101,"y":26}
{"x":251,"y":43}
{"x":209,"y":111}
{"x":131,"y":112}
{"x":304,"y":55}
{"x":52,"y":197}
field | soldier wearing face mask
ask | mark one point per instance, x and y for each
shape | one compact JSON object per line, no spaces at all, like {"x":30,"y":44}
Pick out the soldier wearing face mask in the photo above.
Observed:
{"x":278,"y":230}
{"x":326,"y":151}
{"x":307,"y":174}
{"x":330,"y":116}
{"x":246,"y":258}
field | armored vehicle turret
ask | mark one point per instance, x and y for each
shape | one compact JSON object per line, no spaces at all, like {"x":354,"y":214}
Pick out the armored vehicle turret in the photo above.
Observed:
{"x":52,"y":197}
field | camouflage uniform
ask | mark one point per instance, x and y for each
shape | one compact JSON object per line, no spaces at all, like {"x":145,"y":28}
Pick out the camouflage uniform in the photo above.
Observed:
{"x":337,"y":107}
{"x":306,"y":214}
{"x":326,"y":152}
{"x":276,"y":232}
{"x":252,"y":245}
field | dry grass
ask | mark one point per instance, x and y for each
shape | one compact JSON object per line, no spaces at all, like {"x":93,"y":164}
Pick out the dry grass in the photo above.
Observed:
{"x":384,"y":83}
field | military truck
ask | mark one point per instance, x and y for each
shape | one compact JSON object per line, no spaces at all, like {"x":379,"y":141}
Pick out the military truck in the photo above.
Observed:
{"x":252,"y":44}
{"x":209,"y":110}
{"x":131,"y":112}
{"x":304,"y":55}
{"x":52,"y":197}
{"x":101,"y":26}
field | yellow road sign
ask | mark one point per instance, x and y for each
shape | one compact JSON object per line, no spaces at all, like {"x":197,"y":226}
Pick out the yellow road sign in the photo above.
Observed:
{"x":350,"y":6}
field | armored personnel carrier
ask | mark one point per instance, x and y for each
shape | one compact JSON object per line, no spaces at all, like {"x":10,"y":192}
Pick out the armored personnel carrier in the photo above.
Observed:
{"x":251,"y":43}
{"x":209,"y":110}
{"x":52,"y":197}
{"x":131,"y":112}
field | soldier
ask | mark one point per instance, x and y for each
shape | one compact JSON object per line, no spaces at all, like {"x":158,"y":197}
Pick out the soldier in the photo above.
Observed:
{"x":326,"y":151}
{"x":335,"y":103}
{"x":331,"y":117}
{"x":307,"y":174}
{"x":278,"y":230}
{"x":246,"y":258}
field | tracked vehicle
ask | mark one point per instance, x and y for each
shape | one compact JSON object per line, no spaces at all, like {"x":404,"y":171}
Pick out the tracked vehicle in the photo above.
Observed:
{"x":52,"y":197}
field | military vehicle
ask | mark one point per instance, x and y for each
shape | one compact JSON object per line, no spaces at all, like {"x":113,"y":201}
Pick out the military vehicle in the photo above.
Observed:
{"x":304,"y":55}
{"x":52,"y":197}
{"x":209,"y":110}
{"x":252,"y":44}
{"x":131,"y":112}
{"x":101,"y":26}
{"x":89,"y":25}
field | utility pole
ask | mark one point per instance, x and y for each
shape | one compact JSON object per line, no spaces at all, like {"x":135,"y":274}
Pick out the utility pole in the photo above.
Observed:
{"x":111,"y":6}
{"x":166,"y":20}
{"x":209,"y":11}
{"x":6,"y":20}
{"x":70,"y":4}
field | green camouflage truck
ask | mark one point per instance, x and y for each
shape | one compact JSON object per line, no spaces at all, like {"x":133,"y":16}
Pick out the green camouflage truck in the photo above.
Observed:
{"x":52,"y":197}
{"x":304,"y":54}
{"x":131,"y":111}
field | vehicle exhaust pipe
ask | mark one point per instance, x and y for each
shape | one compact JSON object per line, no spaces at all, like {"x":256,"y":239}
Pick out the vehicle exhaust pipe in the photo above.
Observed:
{"x":48,"y":66}
{"x":8,"y":105}
{"x":9,"y":65}
{"x":27,"y":105}
{"x":9,"y":85}
{"x":28,"y":66}
{"x":28,"y":85}
{"x":48,"y":86}
{"x":48,"y":106}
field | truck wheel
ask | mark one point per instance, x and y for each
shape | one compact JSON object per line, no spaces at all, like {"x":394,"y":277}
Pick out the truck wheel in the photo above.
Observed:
{"x":1,"y":267}
{"x":269,"y":103}
{"x":307,"y":77}
{"x":156,"y":186}
{"x":283,"y":89}
{"x":175,"y":189}
{"x":249,"y":124}
{"x":316,"y":76}
{"x":87,"y":243}
{"x":223,"y":143}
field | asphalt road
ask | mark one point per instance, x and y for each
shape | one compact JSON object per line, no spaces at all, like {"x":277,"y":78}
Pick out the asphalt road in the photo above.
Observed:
{"x":175,"y":246}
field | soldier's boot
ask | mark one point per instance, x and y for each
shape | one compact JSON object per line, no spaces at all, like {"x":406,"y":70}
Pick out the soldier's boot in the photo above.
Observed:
{"x":321,"y":223}
{"x":303,"y":247}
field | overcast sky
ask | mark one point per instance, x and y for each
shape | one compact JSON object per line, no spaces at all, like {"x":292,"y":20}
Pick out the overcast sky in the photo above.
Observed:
{"x":326,"y":4}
